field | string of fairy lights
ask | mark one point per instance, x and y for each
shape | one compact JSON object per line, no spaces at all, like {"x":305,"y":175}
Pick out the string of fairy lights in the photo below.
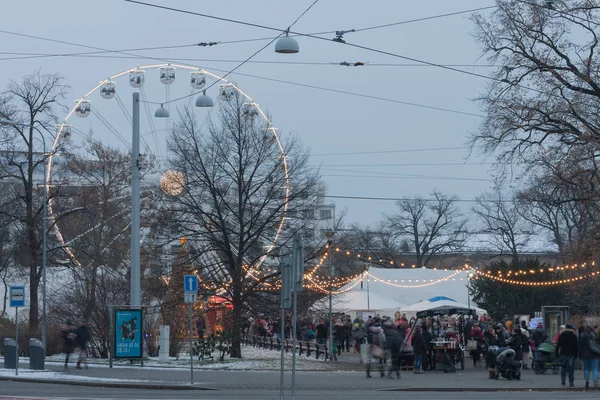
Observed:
{"x":339,"y":285}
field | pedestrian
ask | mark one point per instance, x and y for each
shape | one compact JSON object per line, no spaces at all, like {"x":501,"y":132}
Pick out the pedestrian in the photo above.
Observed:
{"x":83,"y":338}
{"x":539,"y":336}
{"x":347,"y":332}
{"x":582,"y":327}
{"x":567,"y":349}
{"x":588,"y":356}
{"x":393,"y":343}
{"x":321,"y":332}
{"x":339,"y":331}
{"x":560,"y":330}
{"x":419,"y":350}
{"x":69,"y":334}
{"x":427,"y":363}
{"x":200,"y":327}
{"x":515,"y":342}
{"x":359,"y":334}
{"x":376,"y":341}
{"x":526,"y":345}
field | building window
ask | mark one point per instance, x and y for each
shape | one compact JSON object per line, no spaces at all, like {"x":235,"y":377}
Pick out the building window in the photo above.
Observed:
{"x":309,"y":214}
{"x":309,"y":234}
{"x":325,"y":214}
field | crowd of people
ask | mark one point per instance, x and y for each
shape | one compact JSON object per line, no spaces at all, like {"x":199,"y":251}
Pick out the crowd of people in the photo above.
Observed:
{"x":379,"y":339}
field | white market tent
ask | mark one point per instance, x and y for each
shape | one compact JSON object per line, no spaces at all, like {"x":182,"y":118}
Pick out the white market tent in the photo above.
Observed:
{"x":357,"y":302}
{"x":386,"y":290}
{"x":439,"y":301}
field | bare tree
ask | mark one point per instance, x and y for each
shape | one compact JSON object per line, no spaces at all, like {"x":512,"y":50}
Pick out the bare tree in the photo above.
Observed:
{"x":431,"y":225}
{"x":548,"y":85}
{"x":30,"y":105}
{"x":504,"y":223}
{"x":236,"y":195}
{"x":93,"y":200}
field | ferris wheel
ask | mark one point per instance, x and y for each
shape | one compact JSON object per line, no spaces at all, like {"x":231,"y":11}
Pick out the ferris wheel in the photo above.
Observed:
{"x":101,"y":118}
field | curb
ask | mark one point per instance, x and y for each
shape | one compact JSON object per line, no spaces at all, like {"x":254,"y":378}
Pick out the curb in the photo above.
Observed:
{"x":118,"y":385}
{"x":484,"y":389}
{"x":145,"y":386}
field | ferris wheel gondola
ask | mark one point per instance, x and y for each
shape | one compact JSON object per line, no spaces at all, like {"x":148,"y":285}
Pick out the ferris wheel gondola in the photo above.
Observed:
{"x":108,"y":90}
{"x":137,"y":78}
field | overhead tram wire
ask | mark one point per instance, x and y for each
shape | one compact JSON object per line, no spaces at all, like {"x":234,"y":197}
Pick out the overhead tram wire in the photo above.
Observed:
{"x":216,"y":60}
{"x":366,"y":48}
{"x":408,"y":165}
{"x":38,"y":55}
{"x":247,"y":59}
{"x":374,"y":176}
{"x":340,"y":197}
{"x":425,"y":18}
{"x":260,"y":77}
{"x":354,"y":153}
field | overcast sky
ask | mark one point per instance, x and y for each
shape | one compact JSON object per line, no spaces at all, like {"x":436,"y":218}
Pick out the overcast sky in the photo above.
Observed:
{"x":331,"y":124}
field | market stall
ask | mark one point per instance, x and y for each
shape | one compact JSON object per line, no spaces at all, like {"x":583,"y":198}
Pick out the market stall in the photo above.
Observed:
{"x":447,"y":347}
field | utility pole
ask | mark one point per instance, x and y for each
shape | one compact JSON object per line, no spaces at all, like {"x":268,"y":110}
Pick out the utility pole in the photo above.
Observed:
{"x":135,"y":284}
{"x":329,"y":236}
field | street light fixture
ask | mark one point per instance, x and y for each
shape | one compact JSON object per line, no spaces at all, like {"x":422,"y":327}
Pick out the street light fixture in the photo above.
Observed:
{"x":162,"y":112}
{"x":203,"y":100}
{"x":287,"y":44}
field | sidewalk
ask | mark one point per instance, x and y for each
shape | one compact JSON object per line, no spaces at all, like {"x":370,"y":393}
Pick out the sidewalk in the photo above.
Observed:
{"x":472,"y":379}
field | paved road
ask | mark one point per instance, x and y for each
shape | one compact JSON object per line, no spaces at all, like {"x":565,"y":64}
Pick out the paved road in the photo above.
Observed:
{"x":15,"y":390}
{"x":471,"y":378}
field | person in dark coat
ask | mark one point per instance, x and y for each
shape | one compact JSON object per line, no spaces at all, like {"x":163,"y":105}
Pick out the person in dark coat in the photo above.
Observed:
{"x":516,"y":343}
{"x":567,"y":349}
{"x":339,"y":332}
{"x":419,"y":350}
{"x":321,"y":332}
{"x":83,"y":337}
{"x":588,"y":357}
{"x":428,"y":356}
{"x":200,"y":327}
{"x":393,"y":342}
{"x":69,"y":335}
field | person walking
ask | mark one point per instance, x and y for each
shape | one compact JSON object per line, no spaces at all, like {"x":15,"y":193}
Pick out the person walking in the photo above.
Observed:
{"x":419,"y":350}
{"x":567,"y":349}
{"x":321,"y":332}
{"x":588,"y":356}
{"x":359,"y":333}
{"x":83,"y":338}
{"x":69,"y":334}
{"x":526,"y":345}
{"x":200,"y":327}
{"x":393,"y":343}
{"x":539,"y":336}
{"x":427,"y":363}
{"x":376,"y":341}
{"x":339,"y":332}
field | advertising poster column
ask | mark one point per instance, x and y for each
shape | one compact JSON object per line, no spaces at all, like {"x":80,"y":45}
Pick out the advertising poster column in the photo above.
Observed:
{"x":128,"y":333}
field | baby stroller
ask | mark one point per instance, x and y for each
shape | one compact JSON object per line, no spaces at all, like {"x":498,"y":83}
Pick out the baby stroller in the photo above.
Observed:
{"x":545,"y":359}
{"x":507,"y":366}
{"x":501,"y":362}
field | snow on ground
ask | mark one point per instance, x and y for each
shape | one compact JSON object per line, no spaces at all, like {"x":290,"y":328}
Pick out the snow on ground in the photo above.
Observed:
{"x":50,"y":375}
{"x":252,"y":359}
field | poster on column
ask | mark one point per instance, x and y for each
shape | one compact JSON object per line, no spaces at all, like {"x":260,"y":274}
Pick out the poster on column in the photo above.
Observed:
{"x":128,"y":333}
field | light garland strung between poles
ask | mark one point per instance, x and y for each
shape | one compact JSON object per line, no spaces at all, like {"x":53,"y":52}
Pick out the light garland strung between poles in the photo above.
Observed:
{"x":430,"y":283}
{"x":486,"y":275}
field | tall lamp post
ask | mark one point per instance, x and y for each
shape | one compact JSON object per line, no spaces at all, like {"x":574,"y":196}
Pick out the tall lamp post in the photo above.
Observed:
{"x":45,"y":228}
{"x":329,"y":236}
